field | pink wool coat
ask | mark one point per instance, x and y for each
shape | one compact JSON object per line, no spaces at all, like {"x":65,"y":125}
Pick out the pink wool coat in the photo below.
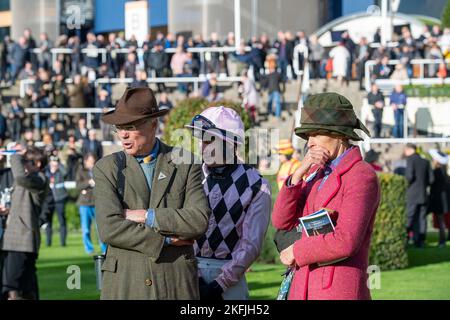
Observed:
{"x":352,"y":190}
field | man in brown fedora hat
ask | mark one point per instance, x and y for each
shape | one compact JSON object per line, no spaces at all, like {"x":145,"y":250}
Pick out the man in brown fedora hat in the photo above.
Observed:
{"x":149,"y":209}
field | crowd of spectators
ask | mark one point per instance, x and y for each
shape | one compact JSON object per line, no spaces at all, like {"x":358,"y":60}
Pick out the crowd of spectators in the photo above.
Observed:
{"x":268,"y":63}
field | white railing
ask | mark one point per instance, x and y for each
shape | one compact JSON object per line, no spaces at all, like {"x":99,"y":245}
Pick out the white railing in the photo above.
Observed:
{"x":195,"y":80}
{"x":140,"y":51}
{"x":420,"y":80}
{"x":87,"y":111}
{"x":23,"y":84}
{"x":387,"y":85}
{"x":409,"y":113}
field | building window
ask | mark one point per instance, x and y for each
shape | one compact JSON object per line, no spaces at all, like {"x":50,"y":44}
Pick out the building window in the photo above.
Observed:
{"x":4,"y":5}
{"x":4,"y":32}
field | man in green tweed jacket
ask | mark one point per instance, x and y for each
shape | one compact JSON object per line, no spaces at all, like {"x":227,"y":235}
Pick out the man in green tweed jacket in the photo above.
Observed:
{"x":150,"y":233}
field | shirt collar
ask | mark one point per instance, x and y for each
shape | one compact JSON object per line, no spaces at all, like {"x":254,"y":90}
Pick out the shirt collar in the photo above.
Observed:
{"x":153,"y":154}
{"x":336,"y":161}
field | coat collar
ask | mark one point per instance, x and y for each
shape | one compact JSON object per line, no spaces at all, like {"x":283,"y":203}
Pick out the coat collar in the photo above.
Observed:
{"x":164,"y":170}
{"x":164,"y":174}
{"x":348,"y":161}
{"x":333,"y":183}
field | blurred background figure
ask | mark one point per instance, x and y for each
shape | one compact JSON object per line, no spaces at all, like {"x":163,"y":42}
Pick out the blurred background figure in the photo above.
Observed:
{"x":419,"y":176}
{"x":439,"y":192}
{"x":22,"y":236}
{"x":375,"y":98}
{"x":250,"y":96}
{"x":288,"y":164}
{"x":56,"y":173}
{"x":85,"y":185}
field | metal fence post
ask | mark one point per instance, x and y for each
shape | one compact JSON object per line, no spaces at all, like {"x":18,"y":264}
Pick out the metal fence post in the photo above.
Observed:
{"x":405,"y":123}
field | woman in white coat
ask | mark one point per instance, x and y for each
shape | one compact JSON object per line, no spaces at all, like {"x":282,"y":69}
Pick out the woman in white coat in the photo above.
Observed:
{"x":341,"y":59}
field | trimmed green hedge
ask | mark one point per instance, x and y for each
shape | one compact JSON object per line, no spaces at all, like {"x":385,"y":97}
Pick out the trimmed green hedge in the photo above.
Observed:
{"x":387,"y":249}
{"x":430,"y":91}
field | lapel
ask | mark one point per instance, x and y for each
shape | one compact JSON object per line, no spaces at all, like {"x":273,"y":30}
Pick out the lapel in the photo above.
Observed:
{"x":164,"y":174}
{"x":331,"y":187}
{"x":135,"y":179}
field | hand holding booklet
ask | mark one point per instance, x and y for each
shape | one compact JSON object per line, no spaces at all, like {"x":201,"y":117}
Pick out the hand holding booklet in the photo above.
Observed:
{"x":316,"y":224}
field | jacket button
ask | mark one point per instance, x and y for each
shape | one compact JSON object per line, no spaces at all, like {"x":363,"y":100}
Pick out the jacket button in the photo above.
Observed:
{"x":148,"y":282}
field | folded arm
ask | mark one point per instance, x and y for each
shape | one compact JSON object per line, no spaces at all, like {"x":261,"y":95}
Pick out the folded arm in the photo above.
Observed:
{"x":191,"y":221}
{"x":114,"y":229}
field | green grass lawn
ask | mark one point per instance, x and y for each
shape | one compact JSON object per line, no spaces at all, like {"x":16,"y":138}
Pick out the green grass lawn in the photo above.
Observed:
{"x":427,"y":277}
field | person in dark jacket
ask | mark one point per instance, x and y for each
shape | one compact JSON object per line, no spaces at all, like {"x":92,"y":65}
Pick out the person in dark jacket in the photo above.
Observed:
{"x":159,"y":62}
{"x":3,"y":60}
{"x":105,"y":103}
{"x":363,"y":52}
{"x":56,"y":174}
{"x":21,"y":240}
{"x":398,"y":101}
{"x":419,"y":176}
{"x":71,"y":157}
{"x":273,"y":83}
{"x":439,"y":202}
{"x":382,"y":70}
{"x":130,"y":66}
{"x":3,"y":126}
{"x":280,"y":46}
{"x":59,"y":92}
{"x":376,"y":99}
{"x":16,"y":116}
{"x":86,"y":203}
{"x":6,"y":182}
{"x":81,"y":131}
{"x":91,"y":56}
{"x":92,"y":145}
{"x":18,"y":58}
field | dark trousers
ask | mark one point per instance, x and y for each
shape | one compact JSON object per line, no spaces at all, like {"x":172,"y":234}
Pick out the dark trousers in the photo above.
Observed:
{"x":417,"y":222}
{"x":378,"y":116}
{"x":314,"y":69}
{"x":160,"y":74}
{"x":16,"y":128}
{"x":398,"y":126}
{"x":361,"y":72}
{"x":2,"y":259}
{"x":282,"y":64}
{"x":19,"y":274}
{"x":60,"y":211}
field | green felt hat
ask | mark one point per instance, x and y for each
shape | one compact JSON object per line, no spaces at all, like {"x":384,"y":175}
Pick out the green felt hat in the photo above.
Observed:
{"x":329,"y":113}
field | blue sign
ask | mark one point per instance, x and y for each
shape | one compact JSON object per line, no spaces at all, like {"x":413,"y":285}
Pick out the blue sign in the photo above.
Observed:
{"x":110,"y":14}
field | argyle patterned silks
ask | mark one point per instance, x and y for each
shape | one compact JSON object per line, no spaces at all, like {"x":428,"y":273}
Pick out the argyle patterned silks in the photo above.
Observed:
{"x":229,"y":198}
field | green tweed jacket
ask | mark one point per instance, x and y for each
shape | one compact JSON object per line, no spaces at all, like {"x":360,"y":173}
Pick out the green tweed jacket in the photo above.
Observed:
{"x":138,"y":265}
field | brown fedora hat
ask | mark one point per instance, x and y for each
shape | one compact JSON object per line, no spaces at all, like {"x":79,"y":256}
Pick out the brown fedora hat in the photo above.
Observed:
{"x":135,"y":104}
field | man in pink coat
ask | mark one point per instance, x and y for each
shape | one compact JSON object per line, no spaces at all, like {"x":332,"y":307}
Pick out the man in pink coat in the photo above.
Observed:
{"x":332,"y":175}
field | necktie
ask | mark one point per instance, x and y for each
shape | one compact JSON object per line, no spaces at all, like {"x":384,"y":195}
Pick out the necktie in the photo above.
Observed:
{"x":147,"y":159}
